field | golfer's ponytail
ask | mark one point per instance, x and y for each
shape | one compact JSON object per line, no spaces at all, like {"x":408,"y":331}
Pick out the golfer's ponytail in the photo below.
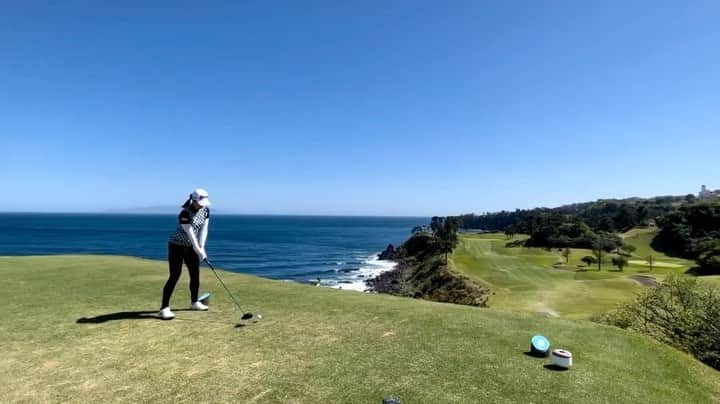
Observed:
{"x":188,"y":202}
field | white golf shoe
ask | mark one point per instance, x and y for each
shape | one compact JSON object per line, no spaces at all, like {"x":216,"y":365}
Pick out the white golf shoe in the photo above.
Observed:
{"x":166,"y":314}
{"x":198,"y":306}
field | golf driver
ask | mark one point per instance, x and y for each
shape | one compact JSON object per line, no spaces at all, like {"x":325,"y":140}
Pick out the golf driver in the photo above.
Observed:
{"x":245,"y":316}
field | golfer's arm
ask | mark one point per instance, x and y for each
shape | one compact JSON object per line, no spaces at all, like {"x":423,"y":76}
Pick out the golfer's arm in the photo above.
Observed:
{"x":191,"y":235}
{"x":204,"y":232}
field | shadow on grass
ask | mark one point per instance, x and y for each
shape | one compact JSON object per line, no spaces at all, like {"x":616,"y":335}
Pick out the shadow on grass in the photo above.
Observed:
{"x":145,"y":315}
{"x":552,"y":367}
{"x":532,"y":355}
{"x":698,"y":271}
{"x":516,"y":243}
{"x":236,"y":325}
{"x":581,"y":269}
{"x":645,"y":280}
{"x":121,"y":315}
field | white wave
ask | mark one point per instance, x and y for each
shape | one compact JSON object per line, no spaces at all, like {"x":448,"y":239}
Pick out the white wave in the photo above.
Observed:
{"x":357,"y":286}
{"x":370,"y":268}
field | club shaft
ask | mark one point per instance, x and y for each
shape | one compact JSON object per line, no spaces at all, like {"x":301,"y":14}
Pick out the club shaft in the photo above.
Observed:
{"x":226,"y":288}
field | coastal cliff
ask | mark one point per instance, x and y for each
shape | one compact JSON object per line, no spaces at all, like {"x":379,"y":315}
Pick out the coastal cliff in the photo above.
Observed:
{"x":422,"y":273}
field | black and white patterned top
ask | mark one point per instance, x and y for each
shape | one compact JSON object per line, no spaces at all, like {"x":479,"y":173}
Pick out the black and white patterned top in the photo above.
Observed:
{"x":196,"y":219}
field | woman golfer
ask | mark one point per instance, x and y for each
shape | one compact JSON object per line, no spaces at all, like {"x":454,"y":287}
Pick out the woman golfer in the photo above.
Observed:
{"x":187,"y":244}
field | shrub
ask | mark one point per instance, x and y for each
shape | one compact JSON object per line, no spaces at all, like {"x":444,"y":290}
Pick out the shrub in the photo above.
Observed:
{"x":681,"y":313}
{"x":620,"y":262}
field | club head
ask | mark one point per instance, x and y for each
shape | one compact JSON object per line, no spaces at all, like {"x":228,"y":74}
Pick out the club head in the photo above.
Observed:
{"x":247,"y":316}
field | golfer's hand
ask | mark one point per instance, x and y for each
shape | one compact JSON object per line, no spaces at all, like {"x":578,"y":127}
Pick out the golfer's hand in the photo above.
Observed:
{"x":202,"y":254}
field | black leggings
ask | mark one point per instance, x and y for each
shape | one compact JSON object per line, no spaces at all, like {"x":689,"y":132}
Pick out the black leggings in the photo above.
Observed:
{"x":176,"y":255}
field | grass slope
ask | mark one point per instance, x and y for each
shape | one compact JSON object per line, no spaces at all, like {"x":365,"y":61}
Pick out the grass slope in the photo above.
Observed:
{"x":526,"y":279}
{"x":641,"y":239}
{"x":316,"y":345}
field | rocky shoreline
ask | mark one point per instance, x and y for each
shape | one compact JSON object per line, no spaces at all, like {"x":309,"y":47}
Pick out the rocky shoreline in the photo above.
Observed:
{"x":421,"y":273}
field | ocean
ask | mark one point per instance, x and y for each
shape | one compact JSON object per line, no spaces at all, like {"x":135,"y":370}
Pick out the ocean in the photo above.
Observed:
{"x":339,"y":251}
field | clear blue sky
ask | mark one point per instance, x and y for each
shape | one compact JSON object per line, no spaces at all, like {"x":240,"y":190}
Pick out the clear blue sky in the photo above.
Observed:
{"x":370,"y":107}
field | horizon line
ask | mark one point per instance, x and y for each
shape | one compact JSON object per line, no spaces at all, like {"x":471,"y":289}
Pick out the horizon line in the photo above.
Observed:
{"x":137,"y":211}
{"x":216,"y":214}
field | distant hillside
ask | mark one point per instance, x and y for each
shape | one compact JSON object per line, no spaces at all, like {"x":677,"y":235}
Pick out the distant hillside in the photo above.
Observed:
{"x":602,"y":215}
{"x":688,"y":227}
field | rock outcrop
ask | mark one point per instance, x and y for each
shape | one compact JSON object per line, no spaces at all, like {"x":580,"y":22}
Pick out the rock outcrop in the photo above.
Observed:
{"x":422,"y":273}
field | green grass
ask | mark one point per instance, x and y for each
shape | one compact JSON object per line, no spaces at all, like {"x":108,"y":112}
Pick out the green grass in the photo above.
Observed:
{"x":713,"y":280}
{"x":641,"y":239}
{"x":539,"y":280}
{"x":315,"y":345}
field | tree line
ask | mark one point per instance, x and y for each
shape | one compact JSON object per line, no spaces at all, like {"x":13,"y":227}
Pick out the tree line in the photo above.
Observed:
{"x":609,"y":215}
{"x":692,"y":231}
{"x":687,"y":227}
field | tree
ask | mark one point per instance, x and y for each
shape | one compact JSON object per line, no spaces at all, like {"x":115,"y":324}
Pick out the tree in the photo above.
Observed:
{"x":588,"y":260}
{"x":510,"y":232}
{"x":445,"y":233}
{"x":690,"y":231}
{"x":566,"y":254}
{"x":620,"y":262}
{"x":598,"y":250}
{"x":625,"y":218}
{"x":628,"y":249}
{"x":604,"y":242}
{"x":650,"y":260}
{"x":450,"y":228}
{"x":642,"y":214}
{"x":417,"y":229}
{"x":436,"y":224}
{"x":709,"y":260}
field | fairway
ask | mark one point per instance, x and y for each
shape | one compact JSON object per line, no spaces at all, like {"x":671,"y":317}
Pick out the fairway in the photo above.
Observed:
{"x":641,"y":238}
{"x":539,"y":280}
{"x":82,"y":329}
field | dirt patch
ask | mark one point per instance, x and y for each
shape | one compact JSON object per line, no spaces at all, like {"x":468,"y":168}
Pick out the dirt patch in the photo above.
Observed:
{"x":548,"y":312}
{"x":648,"y":281}
{"x":50,"y":364}
{"x":88,"y":385}
{"x":326,"y":339}
{"x":540,"y":308}
{"x":388,"y":334}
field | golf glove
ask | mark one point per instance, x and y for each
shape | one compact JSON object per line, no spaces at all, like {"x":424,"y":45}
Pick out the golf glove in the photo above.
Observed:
{"x":202,"y":254}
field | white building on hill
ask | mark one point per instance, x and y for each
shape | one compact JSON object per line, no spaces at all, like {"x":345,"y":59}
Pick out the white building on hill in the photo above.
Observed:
{"x":708,"y":193}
